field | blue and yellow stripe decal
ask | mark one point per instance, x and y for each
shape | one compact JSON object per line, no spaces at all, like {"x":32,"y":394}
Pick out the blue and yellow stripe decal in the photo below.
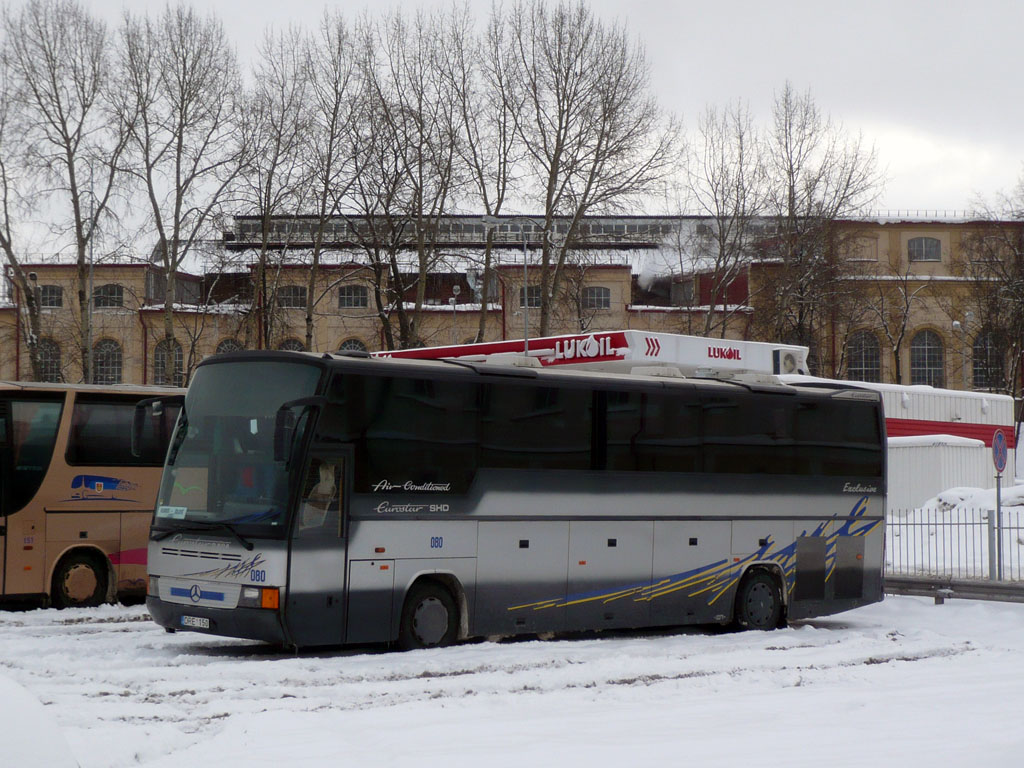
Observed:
{"x":718,"y":578}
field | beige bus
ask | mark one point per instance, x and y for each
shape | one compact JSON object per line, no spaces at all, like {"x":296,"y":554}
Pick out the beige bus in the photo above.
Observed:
{"x":75,"y":503}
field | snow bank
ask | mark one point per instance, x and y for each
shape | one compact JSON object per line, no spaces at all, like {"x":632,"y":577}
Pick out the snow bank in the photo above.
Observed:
{"x":31,"y":736}
{"x":976,"y":499}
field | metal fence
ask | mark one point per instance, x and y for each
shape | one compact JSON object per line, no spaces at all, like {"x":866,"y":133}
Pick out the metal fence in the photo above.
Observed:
{"x":955,"y":544}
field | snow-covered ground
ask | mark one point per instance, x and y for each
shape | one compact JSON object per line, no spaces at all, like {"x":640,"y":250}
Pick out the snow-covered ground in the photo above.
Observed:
{"x":902,"y":683}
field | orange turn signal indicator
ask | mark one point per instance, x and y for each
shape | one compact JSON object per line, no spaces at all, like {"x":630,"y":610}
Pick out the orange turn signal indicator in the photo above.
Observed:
{"x":270,"y":598}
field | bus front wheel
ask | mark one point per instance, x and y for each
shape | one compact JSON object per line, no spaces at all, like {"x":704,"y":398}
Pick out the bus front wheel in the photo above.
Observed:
{"x":429,"y":617}
{"x":758,"y":601}
{"x":79,"y":581}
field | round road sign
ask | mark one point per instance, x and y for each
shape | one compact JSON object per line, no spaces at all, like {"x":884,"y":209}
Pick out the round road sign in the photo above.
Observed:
{"x":999,"y":450}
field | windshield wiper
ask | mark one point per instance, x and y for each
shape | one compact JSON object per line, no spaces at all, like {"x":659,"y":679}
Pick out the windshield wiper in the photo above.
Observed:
{"x":200,"y":525}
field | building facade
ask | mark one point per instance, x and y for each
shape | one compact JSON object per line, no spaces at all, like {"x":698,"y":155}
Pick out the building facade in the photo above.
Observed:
{"x":911,"y":310}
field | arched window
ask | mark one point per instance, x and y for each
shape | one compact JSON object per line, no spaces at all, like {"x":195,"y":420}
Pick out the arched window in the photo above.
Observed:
{"x":864,"y":362}
{"x":229,"y":345}
{"x":924,"y":249}
{"x":109,"y":295}
{"x":291,"y":296}
{"x":927,"y":359}
{"x":352,"y":345}
{"x":597,"y":297}
{"x":168,"y":369}
{"x":106,"y":361}
{"x":987,"y":362}
{"x":49,"y":360}
{"x":353,"y":296}
{"x":291,"y":345}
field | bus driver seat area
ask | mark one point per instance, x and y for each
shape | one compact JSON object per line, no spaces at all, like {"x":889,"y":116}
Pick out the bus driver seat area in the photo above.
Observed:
{"x":322,"y":497}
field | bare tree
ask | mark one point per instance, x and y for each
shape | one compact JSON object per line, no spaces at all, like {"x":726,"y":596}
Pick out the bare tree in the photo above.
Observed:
{"x":992,"y":262}
{"x":594,"y":135}
{"x":12,"y":179}
{"x":331,"y":161}
{"x":891,"y":301}
{"x":488,"y":107}
{"x":408,"y":132}
{"x":58,"y":57}
{"x":272,"y":182}
{"x":180,"y":92}
{"x":727,"y":184}
{"x":818,"y":176}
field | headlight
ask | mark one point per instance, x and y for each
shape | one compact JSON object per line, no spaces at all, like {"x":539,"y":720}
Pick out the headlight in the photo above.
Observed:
{"x":260,"y":597}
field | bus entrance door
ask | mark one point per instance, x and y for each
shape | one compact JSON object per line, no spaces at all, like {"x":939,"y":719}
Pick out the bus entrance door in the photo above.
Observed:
{"x":315,"y":608}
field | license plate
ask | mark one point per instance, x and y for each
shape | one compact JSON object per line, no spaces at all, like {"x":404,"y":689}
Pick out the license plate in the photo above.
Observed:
{"x":195,"y":621}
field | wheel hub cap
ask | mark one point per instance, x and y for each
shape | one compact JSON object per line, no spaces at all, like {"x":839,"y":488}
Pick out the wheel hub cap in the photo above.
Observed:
{"x":79,"y":583}
{"x":430,"y":621}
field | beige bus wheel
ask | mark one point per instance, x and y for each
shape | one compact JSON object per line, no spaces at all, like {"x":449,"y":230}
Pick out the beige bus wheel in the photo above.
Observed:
{"x":79,"y":580}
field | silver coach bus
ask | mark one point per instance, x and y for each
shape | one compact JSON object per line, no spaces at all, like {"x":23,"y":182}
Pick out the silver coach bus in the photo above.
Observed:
{"x":323,"y":500}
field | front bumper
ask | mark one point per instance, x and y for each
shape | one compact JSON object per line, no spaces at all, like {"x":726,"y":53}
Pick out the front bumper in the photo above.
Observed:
{"x":246,"y":623}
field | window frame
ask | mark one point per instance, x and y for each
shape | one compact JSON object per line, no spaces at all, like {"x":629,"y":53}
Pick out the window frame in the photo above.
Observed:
{"x":234,"y":344}
{"x":927,"y":361}
{"x":353,"y":345}
{"x":925,"y":245}
{"x":288,"y":296}
{"x":597,"y":297}
{"x":160,"y":364}
{"x":96,"y":354}
{"x":50,"y":363}
{"x":987,"y":373}
{"x":863,"y":364}
{"x":290,"y":345}
{"x":108,"y":296}
{"x":532,"y":296}
{"x":353,"y":296}
{"x":51,"y":296}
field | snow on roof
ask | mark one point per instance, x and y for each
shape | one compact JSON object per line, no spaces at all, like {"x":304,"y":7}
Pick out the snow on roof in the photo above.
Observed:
{"x":491,"y":307}
{"x":916,"y":441}
{"x":901,"y":388}
{"x":209,"y":309}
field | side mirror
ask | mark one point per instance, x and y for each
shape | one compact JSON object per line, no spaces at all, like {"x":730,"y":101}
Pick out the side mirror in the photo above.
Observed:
{"x":156,"y":404}
{"x":285,"y":422}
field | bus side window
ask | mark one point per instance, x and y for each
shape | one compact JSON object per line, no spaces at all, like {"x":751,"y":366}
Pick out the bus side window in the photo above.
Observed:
{"x":33,"y":435}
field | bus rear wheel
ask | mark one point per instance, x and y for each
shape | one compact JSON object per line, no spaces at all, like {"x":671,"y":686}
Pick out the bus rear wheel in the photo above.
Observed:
{"x":429,"y":618}
{"x":758,"y":602}
{"x":79,"y":581}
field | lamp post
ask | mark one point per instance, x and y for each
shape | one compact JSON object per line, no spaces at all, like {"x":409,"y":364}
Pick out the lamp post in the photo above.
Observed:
{"x":961,"y":328}
{"x":492,"y":221}
{"x":455,"y":319}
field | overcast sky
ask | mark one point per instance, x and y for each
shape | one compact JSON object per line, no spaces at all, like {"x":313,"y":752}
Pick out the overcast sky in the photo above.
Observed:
{"x":934,"y":84}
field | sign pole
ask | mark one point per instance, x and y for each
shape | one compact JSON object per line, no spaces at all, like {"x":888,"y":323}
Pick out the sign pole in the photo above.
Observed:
{"x":992,"y":538}
{"x":999,"y":522}
{"x":999,"y":453}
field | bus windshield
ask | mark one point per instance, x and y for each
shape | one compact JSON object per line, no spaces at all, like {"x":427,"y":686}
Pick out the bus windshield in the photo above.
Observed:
{"x":220,"y":469}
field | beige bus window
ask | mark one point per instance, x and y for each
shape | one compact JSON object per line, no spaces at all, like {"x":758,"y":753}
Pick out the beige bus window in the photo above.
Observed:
{"x":33,"y":433}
